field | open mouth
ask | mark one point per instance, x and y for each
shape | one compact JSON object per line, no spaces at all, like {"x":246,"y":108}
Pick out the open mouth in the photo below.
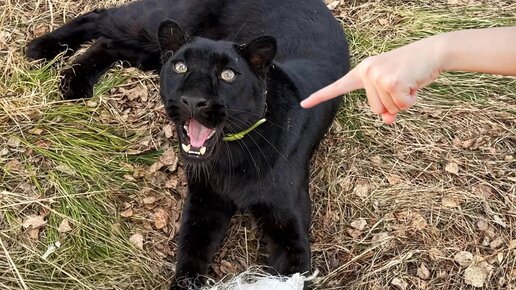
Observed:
{"x":195,"y":140}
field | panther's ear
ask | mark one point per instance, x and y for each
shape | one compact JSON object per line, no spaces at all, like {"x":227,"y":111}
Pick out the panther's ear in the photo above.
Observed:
{"x":259,"y":53}
{"x":170,"y":37}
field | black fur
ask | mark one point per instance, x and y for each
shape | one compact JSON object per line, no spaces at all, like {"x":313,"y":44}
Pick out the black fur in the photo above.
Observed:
{"x":280,"y":51}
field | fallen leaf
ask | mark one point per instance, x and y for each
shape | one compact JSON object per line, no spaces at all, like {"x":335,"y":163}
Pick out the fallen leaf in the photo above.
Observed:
{"x":456,"y":142}
{"x":156,"y":166}
{"x":149,"y":200}
{"x":64,"y":226}
{"x":376,"y":159}
{"x":13,"y":142}
{"x":476,"y":275}
{"x":129,"y":177}
{"x":512,"y":244}
{"x":40,"y":30}
{"x":127,"y":213}
{"x":14,"y":165}
{"x":36,"y":131}
{"x":160,"y":218}
{"x":499,"y":221}
{"x":171,"y":183}
{"x":361,"y":190}
{"x":34,"y":222}
{"x":482,"y":225}
{"x":499,"y":258}
{"x":393,"y":179}
{"x":33,"y":234}
{"x":463,"y":258}
{"x":484,"y":190}
{"x":512,"y":275}
{"x":91,"y":104}
{"x":65,"y":169}
{"x":226,"y":267}
{"x":467,"y":143}
{"x":383,"y":240}
{"x":452,"y":167}
{"x":419,"y":222}
{"x":169,"y":157}
{"x":355,"y":234}
{"x":435,"y":254}
{"x":137,"y":241}
{"x":496,"y":243}
{"x":383,"y":21}
{"x":449,"y":202}
{"x":169,"y":131}
{"x":359,"y":224}
{"x":399,"y":283}
{"x":423,"y":272}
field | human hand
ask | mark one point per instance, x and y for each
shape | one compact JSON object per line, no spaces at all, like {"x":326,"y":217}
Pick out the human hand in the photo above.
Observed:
{"x":391,"y":79}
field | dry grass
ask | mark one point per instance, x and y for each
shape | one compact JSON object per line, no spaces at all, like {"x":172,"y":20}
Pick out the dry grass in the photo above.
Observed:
{"x":88,"y":162}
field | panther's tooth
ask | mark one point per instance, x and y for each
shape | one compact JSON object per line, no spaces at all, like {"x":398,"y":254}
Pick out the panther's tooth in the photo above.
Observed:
{"x":186,"y":148}
{"x":212,"y":133}
{"x":186,"y":128}
{"x":202,"y":150}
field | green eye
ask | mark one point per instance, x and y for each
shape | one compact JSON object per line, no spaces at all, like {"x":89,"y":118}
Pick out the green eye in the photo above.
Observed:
{"x":180,"y":67}
{"x":227,"y":75}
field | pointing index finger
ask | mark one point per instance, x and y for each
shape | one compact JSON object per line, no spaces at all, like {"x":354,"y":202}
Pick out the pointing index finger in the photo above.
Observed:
{"x":348,"y":83}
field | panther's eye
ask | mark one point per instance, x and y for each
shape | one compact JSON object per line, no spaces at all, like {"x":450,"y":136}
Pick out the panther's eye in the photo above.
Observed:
{"x":180,"y":67}
{"x":227,"y":75}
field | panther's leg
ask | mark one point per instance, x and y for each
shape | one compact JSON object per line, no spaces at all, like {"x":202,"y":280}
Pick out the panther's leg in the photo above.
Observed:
{"x":85,"y":71}
{"x":66,"y":38}
{"x":206,"y":217}
{"x":286,"y":230}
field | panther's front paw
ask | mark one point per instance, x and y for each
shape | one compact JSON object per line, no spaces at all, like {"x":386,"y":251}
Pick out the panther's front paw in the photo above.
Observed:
{"x":187,"y":284}
{"x":74,"y":86}
{"x":44,"y":47}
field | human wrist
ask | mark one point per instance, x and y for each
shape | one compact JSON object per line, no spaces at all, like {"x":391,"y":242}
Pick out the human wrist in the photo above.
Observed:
{"x":441,"y":52}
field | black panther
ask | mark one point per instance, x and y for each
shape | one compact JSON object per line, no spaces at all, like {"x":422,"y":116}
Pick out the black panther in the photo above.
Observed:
{"x":232,"y":74}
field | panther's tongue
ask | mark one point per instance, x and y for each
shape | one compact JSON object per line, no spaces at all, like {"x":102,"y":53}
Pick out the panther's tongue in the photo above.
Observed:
{"x":198,"y":133}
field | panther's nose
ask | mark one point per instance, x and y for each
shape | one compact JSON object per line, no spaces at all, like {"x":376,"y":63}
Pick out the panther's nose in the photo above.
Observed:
{"x":195,"y":104}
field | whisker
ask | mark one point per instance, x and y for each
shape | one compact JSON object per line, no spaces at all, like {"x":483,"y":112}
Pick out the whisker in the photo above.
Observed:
{"x":264,"y":138}
{"x":240,"y":142}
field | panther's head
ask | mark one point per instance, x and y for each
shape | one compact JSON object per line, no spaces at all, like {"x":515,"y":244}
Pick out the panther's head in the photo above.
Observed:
{"x":211,"y":89}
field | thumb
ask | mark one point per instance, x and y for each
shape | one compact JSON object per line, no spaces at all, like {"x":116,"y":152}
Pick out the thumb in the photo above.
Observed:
{"x":344,"y":85}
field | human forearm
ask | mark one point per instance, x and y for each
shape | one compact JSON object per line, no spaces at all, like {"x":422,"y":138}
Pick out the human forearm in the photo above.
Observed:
{"x":491,"y":50}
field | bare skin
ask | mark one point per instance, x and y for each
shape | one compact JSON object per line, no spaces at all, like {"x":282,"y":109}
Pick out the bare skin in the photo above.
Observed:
{"x":392,"y":79}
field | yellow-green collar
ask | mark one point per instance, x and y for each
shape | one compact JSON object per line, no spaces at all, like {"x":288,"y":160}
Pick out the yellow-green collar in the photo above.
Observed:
{"x":241,"y":134}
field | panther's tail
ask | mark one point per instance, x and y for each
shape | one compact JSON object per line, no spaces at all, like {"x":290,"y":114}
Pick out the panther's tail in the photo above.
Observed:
{"x":66,"y":38}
